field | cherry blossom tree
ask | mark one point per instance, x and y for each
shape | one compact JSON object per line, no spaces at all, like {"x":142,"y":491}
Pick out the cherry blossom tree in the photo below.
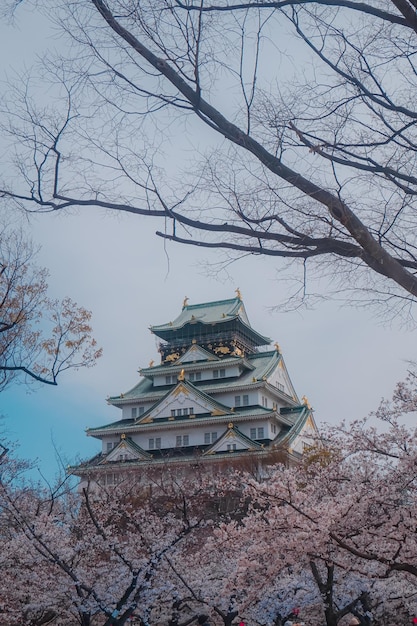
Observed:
{"x":346,"y":515}
{"x":103,"y":554}
{"x":334,"y":536}
{"x":39,"y":337}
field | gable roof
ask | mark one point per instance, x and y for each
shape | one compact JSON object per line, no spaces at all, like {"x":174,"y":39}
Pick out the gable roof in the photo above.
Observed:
{"x":196,"y":353}
{"x":126,"y":447}
{"x":194,"y":396}
{"x":232,"y":436}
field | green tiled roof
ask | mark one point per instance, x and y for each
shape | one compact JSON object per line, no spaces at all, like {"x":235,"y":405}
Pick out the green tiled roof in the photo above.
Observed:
{"x":300,"y":415}
{"x":177,"y":366}
{"x":263,"y":364}
{"x":210,"y":313}
{"x":135,"y":423}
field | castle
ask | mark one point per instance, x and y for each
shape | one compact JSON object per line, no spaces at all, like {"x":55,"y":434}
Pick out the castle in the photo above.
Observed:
{"x":219,"y":394}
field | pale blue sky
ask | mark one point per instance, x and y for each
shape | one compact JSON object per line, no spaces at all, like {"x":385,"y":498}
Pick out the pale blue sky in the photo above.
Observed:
{"x":340,"y":358}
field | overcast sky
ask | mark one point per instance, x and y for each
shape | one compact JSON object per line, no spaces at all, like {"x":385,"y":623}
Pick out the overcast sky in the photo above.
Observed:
{"x":342,"y":359}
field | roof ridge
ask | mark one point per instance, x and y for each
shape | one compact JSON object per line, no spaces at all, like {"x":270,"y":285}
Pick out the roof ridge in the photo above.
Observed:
{"x":214,"y":303}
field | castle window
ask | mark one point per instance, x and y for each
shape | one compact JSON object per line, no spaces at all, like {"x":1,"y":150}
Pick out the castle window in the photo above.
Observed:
{"x":219,"y":373}
{"x":141,"y":410}
{"x":210,"y":437}
{"x":195,"y":376}
{"x":280,"y":386}
{"x":110,"y":479}
{"x":257,"y":433}
{"x":231,"y":447}
{"x":173,"y":412}
{"x":155,"y":443}
{"x":264,"y":401}
{"x":109,"y":446}
{"x":134,"y":412}
{"x":182,"y":440}
{"x":242,"y":400}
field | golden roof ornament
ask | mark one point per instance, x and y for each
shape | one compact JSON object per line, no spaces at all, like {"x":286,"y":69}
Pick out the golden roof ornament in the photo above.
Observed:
{"x":277,"y":348}
{"x":181,"y":375}
{"x":184,"y":304}
{"x":238,"y":294}
{"x":151,"y":363}
{"x":306,"y":402}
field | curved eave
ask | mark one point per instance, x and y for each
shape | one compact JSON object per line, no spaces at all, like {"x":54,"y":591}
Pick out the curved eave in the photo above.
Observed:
{"x":211,"y":387}
{"x":160,"y":370}
{"x":190,"y":312}
{"x":165,"y":332}
{"x":269,"y":367}
{"x":296,"y":428}
{"x":89,"y":470}
{"x":136,"y":427}
{"x":143,"y":385}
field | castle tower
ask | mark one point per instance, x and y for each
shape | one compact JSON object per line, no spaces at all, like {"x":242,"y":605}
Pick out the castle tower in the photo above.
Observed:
{"x":219,"y":393}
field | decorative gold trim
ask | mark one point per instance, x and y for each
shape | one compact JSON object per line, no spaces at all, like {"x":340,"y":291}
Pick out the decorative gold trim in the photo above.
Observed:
{"x":306,"y":402}
{"x":180,"y":389}
{"x":222,"y":350}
